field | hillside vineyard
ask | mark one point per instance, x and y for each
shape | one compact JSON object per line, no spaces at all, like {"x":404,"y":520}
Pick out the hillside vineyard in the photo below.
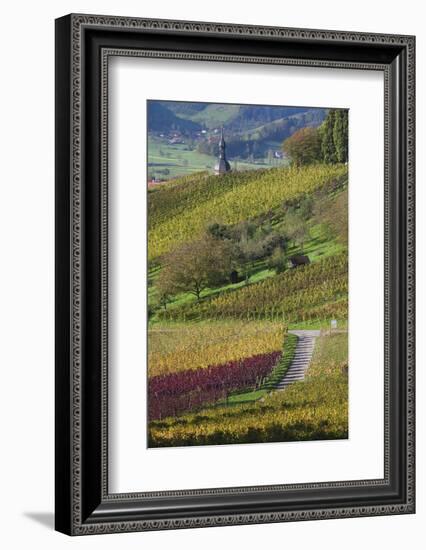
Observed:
{"x":248,"y":282}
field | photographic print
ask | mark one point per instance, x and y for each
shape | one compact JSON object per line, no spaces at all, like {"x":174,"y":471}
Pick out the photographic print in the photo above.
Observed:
{"x":202,"y":293}
{"x":247,"y":273}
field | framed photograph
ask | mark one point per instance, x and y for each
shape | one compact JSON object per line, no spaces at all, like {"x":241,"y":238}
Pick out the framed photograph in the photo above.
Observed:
{"x":234,"y":274}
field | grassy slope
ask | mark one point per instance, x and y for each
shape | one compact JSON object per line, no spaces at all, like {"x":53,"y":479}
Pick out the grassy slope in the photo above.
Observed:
{"x":331,"y":353}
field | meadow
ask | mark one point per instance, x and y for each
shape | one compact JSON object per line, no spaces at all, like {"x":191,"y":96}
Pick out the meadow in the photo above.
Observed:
{"x":167,"y":161}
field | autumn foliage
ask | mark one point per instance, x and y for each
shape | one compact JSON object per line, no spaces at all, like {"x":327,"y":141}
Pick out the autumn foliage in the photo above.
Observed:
{"x":171,"y":394}
{"x":304,"y":146}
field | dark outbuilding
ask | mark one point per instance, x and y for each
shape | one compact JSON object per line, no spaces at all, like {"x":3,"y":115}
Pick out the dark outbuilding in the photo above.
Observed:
{"x":234,"y":277}
{"x":296,"y":261}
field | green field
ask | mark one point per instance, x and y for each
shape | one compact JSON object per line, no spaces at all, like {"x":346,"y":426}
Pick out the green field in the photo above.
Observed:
{"x":178,"y":160}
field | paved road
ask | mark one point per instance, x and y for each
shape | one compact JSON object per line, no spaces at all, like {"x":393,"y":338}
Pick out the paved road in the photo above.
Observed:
{"x":302,"y":357}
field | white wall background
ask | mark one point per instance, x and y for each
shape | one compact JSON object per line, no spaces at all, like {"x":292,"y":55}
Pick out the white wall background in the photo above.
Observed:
{"x":26,"y":289}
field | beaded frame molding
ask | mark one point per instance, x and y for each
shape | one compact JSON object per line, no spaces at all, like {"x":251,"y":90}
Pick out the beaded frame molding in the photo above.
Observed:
{"x":84,"y":44}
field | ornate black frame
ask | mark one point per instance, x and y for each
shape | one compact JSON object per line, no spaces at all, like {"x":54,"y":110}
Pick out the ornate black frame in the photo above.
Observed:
{"x":83,"y":46}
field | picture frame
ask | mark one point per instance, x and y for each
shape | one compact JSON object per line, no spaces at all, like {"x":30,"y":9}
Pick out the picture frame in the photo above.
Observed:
{"x":84,"y":44}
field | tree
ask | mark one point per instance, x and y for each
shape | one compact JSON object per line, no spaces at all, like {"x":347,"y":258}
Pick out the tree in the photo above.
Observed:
{"x":195,"y":266}
{"x":328,"y":149}
{"x":278,"y":260}
{"x":333,"y":214}
{"x":165,"y":289}
{"x":304,"y":146}
{"x":296,"y":229}
{"x":218,"y":231}
{"x":305,"y":207}
{"x":247,"y":253}
{"x":334,"y":136}
{"x":245,"y":229}
{"x":340,"y":135}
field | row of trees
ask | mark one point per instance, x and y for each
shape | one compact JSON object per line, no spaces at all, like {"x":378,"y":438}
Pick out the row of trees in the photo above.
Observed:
{"x":327,"y":143}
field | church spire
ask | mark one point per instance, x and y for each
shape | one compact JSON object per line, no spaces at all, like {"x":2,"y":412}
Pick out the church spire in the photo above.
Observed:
{"x":222,"y":144}
{"x":222,"y":165}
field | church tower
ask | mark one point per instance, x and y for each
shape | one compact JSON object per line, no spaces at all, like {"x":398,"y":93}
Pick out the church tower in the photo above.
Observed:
{"x":222,"y":165}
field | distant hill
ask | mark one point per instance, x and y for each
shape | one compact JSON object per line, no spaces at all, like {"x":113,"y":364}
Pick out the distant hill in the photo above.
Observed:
{"x":258,"y":140}
{"x":236,"y":118}
{"x":253,"y":116}
{"x":254,"y":133}
{"x":162,"y":119}
{"x":281,"y":128}
{"x":184,"y":109}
